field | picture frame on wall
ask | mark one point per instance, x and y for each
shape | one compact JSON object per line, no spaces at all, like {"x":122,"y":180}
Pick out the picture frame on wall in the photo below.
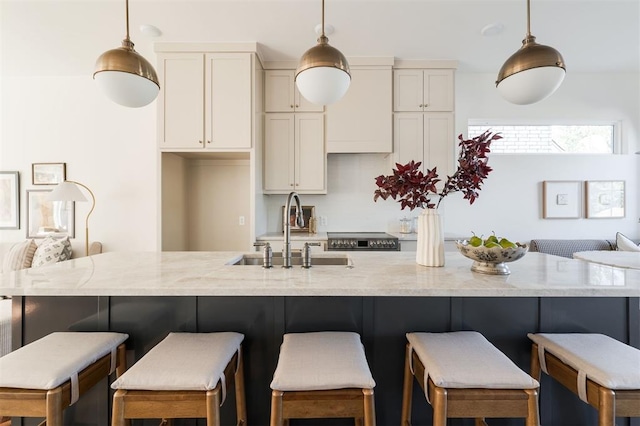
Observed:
{"x":561,"y":199}
{"x":46,"y":217}
{"x":9,"y":200}
{"x":605,"y":199}
{"x":48,"y":173}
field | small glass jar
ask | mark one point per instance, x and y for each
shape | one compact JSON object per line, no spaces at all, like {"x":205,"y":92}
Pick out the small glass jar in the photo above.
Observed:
{"x":405,"y":225}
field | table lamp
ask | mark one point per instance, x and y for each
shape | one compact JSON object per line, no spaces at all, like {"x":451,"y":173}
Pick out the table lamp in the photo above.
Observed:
{"x":69,"y":191}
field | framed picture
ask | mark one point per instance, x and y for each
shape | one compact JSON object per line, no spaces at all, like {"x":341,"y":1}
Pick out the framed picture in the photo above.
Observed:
{"x":561,"y":199}
{"x":48,"y":173}
{"x":605,"y":199}
{"x":307,"y":213}
{"x":45,"y":217}
{"x":9,"y":200}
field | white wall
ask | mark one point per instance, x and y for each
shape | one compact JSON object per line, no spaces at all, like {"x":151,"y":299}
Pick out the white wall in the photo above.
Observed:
{"x":110,"y":149}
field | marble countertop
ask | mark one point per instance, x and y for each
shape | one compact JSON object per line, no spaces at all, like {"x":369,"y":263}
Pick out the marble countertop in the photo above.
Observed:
{"x":372,"y":274}
{"x":295,"y":236}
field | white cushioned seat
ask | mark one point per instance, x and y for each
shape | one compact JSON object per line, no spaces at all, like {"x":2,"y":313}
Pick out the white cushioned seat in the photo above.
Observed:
{"x":466,"y":359}
{"x":56,"y":358}
{"x":604,"y":360}
{"x":183,"y":361}
{"x":325,"y":360}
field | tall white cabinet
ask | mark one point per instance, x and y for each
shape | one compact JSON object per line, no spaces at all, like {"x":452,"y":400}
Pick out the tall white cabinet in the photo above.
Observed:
{"x":295,"y":158}
{"x":423,"y":118}
{"x":210,"y":131}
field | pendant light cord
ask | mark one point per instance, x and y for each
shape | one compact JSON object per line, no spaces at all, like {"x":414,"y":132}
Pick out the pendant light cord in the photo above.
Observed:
{"x":528,"y":18}
{"x":126,"y":2}
{"x":323,"y":18}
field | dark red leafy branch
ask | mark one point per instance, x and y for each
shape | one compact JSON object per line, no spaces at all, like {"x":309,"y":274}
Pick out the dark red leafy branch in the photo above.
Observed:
{"x":413,"y":188}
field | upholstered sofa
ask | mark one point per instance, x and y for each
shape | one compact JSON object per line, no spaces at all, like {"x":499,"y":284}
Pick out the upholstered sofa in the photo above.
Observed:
{"x":566,"y":247}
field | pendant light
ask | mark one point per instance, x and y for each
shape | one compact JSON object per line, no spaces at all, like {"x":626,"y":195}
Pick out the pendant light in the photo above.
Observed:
{"x":323,"y":74}
{"x":125,"y":76}
{"x":532,"y":73}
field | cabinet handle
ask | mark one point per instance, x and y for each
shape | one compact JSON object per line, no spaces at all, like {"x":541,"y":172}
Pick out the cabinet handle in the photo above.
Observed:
{"x":200,"y":142}
{"x":290,"y":184}
{"x":426,"y":105}
{"x":420,"y":105}
{"x":290,"y":106}
{"x":297,"y":106}
{"x":209,"y":142}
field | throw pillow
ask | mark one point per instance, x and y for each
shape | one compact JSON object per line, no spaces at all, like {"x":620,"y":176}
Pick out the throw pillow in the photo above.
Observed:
{"x":20,"y":256}
{"x":52,"y":250}
{"x":625,"y":244}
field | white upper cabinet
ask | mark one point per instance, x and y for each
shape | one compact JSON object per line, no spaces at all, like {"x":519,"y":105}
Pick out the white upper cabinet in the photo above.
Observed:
{"x":361,"y":122}
{"x":205,"y":100}
{"x":423,"y":90}
{"x":294,"y":154}
{"x":282,"y":95}
{"x":425,"y":137}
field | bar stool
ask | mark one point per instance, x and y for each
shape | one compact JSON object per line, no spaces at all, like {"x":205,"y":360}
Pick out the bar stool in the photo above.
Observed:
{"x":44,"y":377}
{"x":184,"y":376}
{"x":322,"y":375}
{"x":465,"y":376}
{"x":602,"y":371}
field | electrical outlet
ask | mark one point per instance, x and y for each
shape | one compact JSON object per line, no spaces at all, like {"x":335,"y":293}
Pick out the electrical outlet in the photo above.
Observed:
{"x":241,"y":220}
{"x":323,"y":220}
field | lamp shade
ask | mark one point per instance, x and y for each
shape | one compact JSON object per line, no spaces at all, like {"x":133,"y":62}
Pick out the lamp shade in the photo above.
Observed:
{"x":323,"y":74}
{"x":531,"y":74}
{"x":67,"y":191}
{"x":126,"y":77}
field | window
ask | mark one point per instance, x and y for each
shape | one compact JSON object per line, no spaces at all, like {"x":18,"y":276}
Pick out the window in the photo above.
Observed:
{"x":550,"y":138}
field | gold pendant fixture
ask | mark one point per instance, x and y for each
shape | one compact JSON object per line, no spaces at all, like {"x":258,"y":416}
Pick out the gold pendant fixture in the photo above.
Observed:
{"x":125,"y":76}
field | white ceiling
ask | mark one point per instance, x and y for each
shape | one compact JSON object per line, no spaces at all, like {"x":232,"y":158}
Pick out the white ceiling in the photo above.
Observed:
{"x":65,"y":37}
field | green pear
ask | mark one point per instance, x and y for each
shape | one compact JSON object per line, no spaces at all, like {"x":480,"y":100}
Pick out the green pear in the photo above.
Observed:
{"x":475,"y":241}
{"x":504,"y":243}
{"x":492,"y":239}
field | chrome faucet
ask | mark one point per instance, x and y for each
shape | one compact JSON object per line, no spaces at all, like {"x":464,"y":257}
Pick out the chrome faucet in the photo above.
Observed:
{"x":286,"y":249}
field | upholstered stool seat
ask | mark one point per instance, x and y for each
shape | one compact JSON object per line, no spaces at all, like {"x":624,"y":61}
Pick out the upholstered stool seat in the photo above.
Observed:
{"x":464,"y":376}
{"x":44,"y":377}
{"x":322,"y":375}
{"x":186,"y":375}
{"x":602,"y":371}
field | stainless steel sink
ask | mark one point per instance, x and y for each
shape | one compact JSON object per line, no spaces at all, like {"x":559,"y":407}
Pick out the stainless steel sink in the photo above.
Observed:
{"x":252,"y":259}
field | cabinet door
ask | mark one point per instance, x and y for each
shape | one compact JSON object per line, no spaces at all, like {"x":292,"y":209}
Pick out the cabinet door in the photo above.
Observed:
{"x":278,"y":91}
{"x":438,"y":90}
{"x":228,"y":110}
{"x":279,"y":152}
{"x":362,"y":121}
{"x":408,"y":90}
{"x":408,"y":137}
{"x":180,"y":104}
{"x":281,"y":94}
{"x":310,"y":156}
{"x":439,"y":142}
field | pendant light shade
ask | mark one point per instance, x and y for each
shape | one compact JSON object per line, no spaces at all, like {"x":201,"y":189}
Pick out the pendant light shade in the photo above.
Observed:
{"x":125,"y":76}
{"x":532,"y":73}
{"x":323,"y":74}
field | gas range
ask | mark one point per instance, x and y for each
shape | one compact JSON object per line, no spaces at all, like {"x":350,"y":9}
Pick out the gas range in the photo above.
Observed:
{"x":362,"y":241}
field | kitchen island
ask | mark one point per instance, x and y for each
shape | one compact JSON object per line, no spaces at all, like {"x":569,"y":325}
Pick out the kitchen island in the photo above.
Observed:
{"x":379,"y":295}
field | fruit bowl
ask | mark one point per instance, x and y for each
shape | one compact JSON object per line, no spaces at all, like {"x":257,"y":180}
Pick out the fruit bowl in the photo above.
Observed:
{"x":491,"y":260}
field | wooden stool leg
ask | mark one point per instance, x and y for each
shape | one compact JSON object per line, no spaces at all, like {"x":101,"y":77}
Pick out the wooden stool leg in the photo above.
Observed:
{"x":480,"y":422}
{"x":369,"y":408}
{"x":359,"y":421}
{"x":276,"y":408}
{"x":117,"y":413}
{"x":533,"y":415}
{"x":121,"y":363}
{"x":241,"y":402}
{"x":536,"y":371}
{"x":606,"y":407}
{"x":439,"y":407}
{"x":213,"y":407}
{"x":54,"y":407}
{"x":407,"y":390}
